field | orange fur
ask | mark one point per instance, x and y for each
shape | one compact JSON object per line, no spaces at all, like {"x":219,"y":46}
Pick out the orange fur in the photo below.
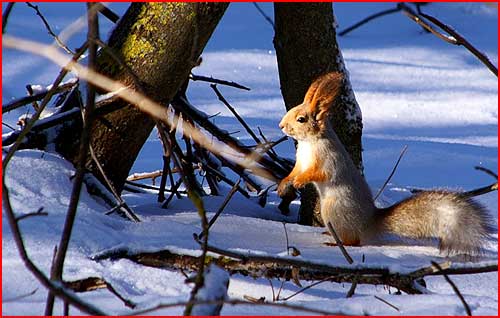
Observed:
{"x":289,"y":179}
{"x":322,"y":92}
{"x":314,"y":173}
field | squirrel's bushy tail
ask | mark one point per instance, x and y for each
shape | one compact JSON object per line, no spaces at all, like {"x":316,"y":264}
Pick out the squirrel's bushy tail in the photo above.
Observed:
{"x":460,"y":223}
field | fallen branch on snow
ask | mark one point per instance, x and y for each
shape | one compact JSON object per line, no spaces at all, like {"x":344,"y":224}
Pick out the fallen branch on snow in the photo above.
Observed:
{"x":258,"y":266}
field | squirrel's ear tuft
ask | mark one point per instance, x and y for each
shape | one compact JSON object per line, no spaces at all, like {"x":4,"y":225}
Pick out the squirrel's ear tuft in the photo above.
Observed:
{"x":323,"y":92}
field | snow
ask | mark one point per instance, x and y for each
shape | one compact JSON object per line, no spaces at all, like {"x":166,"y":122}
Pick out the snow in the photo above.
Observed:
{"x":413,"y":89}
{"x":214,"y":288}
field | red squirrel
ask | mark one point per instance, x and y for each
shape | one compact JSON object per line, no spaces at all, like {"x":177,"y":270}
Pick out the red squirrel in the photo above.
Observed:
{"x":460,"y":224}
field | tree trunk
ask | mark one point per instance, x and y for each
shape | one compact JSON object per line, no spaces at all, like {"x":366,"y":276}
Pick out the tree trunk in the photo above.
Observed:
{"x":306,"y":47}
{"x":160,"y":43}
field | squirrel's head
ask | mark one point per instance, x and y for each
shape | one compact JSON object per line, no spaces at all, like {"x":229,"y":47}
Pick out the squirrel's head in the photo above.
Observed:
{"x":308,"y":120}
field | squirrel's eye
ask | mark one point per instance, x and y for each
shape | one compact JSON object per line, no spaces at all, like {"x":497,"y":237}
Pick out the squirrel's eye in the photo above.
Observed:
{"x":301,"y":119}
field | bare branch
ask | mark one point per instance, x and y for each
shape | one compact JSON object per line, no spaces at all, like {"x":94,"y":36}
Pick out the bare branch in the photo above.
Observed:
{"x":216,"y":81}
{"x":57,"y":269}
{"x":252,"y":264}
{"x":222,"y":207}
{"x":368,"y":19}
{"x":94,"y":283}
{"x":9,"y":300}
{"x":235,"y":113}
{"x":453,"y":38}
{"x":386,"y":302}
{"x":392,"y":173}
{"x":352,"y":289}
{"x":268,"y":19}
{"x":36,"y":97}
{"x":339,"y":243}
{"x":121,"y":203}
{"x":107,"y":12}
{"x":5,"y":16}
{"x":306,"y":288}
{"x":417,"y":19}
{"x":200,"y":278}
{"x":455,"y":288}
{"x":487,"y":171}
{"x":174,"y":189}
{"x":49,"y":29}
{"x":481,"y":191}
{"x":40,"y":212}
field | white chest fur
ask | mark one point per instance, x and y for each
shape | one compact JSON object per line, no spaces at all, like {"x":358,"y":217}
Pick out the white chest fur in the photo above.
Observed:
{"x":305,"y":154}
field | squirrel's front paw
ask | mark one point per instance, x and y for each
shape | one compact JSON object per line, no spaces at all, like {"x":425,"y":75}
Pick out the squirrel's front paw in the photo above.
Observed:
{"x":298,"y":184}
{"x":283,"y":187}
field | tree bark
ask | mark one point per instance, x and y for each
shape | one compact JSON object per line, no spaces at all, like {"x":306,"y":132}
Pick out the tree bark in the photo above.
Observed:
{"x":306,"y":47}
{"x":160,"y":43}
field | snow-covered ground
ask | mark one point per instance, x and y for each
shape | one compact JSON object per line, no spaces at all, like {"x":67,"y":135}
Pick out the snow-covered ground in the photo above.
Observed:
{"x":413,"y":89}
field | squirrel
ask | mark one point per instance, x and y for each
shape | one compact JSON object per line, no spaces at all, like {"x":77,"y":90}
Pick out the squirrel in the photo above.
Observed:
{"x":459,"y":223}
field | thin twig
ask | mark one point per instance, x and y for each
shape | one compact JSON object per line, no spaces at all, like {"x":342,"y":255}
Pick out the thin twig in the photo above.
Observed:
{"x":481,"y":191}
{"x":57,"y":270}
{"x":286,"y":238}
{"x":107,"y":12}
{"x":222,"y":177}
{"x":268,"y":19}
{"x":8,"y":126}
{"x":368,"y":19}
{"x":174,"y":189}
{"x":417,"y":19}
{"x":165,"y":173}
{"x":462,"y":41}
{"x":486,"y":189}
{"x":126,"y":209}
{"x":453,"y":38}
{"x":66,"y":309}
{"x":5,"y":15}
{"x":145,"y":175}
{"x":306,"y":288}
{"x":200,"y":278}
{"x":280,"y":289}
{"x":487,"y":171}
{"x":386,"y":302}
{"x":40,"y":212}
{"x":223,"y":206}
{"x":272,"y":289}
{"x":239,"y":302}
{"x":235,"y":113}
{"x":455,"y":289}
{"x":216,"y":81}
{"x":352,"y":289}
{"x":49,"y":29}
{"x":9,"y":300}
{"x":266,"y":140}
{"x":36,"y":97}
{"x":340,"y":244}
{"x":392,"y":173}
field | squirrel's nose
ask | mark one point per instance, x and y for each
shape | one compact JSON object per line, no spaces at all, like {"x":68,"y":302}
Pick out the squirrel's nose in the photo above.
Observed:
{"x":281,"y":125}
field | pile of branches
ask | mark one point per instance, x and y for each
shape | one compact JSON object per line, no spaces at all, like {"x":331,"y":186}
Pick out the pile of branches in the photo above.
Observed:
{"x":181,"y":154}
